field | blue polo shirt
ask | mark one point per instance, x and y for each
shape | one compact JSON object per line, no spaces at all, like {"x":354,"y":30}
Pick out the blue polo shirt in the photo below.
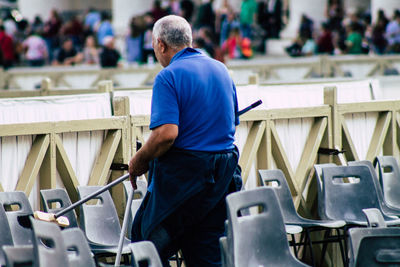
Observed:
{"x":196,"y":93}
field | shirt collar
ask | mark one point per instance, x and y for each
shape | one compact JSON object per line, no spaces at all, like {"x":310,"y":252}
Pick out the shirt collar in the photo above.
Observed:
{"x":184,"y":53}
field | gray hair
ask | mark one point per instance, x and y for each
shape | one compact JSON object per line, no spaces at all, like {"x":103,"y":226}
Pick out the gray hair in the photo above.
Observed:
{"x":175,"y":31}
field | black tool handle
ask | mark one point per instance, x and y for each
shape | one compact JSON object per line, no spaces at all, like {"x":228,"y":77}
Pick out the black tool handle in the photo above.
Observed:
{"x":255,"y":104}
{"x":92,"y":195}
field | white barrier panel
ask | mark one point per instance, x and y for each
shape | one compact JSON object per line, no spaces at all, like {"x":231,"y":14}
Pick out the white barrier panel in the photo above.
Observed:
{"x":82,"y":148}
{"x":139,"y":101}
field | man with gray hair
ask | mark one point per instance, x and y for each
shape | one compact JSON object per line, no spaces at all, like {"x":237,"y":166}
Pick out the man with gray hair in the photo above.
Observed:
{"x":190,"y":153}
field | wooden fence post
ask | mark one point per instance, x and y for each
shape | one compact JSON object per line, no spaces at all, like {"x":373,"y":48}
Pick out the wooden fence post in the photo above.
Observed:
{"x":121,"y":107}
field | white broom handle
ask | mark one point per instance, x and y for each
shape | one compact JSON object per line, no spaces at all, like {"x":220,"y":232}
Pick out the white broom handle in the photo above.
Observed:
{"x":123,"y":230}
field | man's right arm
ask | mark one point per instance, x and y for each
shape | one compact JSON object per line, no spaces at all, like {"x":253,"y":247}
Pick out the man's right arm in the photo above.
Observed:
{"x":160,"y":141}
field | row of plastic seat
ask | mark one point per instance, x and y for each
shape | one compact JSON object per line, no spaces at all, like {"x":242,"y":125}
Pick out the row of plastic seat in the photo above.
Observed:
{"x":346,"y":195}
{"x":67,"y":248}
{"x":99,"y":222}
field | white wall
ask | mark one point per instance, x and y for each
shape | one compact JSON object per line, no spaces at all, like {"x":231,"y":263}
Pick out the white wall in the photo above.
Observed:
{"x":30,"y":8}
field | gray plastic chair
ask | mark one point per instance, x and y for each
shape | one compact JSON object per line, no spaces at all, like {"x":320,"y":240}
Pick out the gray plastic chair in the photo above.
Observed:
{"x":139,"y":194}
{"x":387,"y":209}
{"x":260,"y":239}
{"x":389,"y":177}
{"x":59,"y":196}
{"x":345,"y":201}
{"x":19,"y":256}
{"x":291,"y":217}
{"x":5,"y":234}
{"x":100,"y":223}
{"x":48,"y":245}
{"x":145,"y":254}
{"x":78,"y":250}
{"x":374,"y":247}
{"x":20,"y":234}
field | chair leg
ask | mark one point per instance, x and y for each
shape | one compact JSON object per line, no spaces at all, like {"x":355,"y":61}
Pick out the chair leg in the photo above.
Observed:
{"x":310,"y":245}
{"x":324,"y":246}
{"x":294,"y":245}
{"x":345,"y":245}
{"x":342,"y":251}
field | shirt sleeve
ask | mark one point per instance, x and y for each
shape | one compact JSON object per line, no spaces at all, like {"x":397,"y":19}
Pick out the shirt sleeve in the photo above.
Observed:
{"x":164,"y":103}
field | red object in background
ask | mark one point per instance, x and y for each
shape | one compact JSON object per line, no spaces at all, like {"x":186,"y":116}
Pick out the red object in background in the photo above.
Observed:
{"x":7,"y":47}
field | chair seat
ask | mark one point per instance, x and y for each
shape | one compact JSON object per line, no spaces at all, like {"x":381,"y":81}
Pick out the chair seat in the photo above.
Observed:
{"x":97,"y":248}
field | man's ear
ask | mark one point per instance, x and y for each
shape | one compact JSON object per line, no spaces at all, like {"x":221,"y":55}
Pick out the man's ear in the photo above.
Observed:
{"x":163,"y":46}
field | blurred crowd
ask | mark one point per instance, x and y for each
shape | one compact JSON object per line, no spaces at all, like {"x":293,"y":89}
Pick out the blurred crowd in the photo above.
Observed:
{"x":221,"y":32}
{"x":351,"y":32}
{"x":89,"y":38}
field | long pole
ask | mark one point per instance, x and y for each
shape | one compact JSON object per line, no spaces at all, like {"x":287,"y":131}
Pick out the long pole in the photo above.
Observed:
{"x":124,"y":226}
{"x":92,"y":195}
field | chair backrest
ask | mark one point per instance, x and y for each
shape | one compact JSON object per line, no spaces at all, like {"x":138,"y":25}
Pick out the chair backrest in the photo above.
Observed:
{"x":387,"y":209}
{"x":282,"y":192}
{"x":99,"y":221}
{"x":19,"y":256}
{"x":139,"y":194}
{"x":374,"y":218}
{"x":5,"y":233}
{"x":320,"y":187}
{"x":389,"y":177}
{"x":79,"y":254}
{"x":254,"y":244}
{"x":48,"y":244}
{"x":59,"y":197}
{"x":345,"y":201}
{"x":374,"y":247}
{"x":145,"y":254}
{"x":18,"y":200}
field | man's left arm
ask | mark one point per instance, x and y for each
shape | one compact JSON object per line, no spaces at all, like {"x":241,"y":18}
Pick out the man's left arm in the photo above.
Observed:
{"x":160,"y":141}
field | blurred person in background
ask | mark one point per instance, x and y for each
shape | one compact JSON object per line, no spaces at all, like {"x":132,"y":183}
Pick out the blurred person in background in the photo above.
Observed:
{"x":393,"y":33}
{"x":67,"y":55}
{"x":248,"y":11}
{"x":158,"y":11}
{"x":109,"y":56}
{"x":90,"y":51}
{"x":134,"y":40}
{"x":221,"y":15}
{"x":274,"y":15}
{"x":306,"y":27}
{"x":7,"y":48}
{"x":228,"y":24}
{"x":9,"y":25}
{"x":148,"y":55}
{"x":51,"y":32}
{"x":36,"y":50}
{"x":354,"y":40}
{"x":37,"y":25}
{"x":105,"y":28}
{"x":325,"y":40}
{"x":187,"y":8}
{"x":205,"y":16}
{"x":236,"y":46}
{"x":73,"y":29}
{"x":92,"y":19}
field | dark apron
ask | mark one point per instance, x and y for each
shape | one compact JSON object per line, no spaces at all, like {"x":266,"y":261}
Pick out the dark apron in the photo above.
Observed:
{"x":178,"y":176}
